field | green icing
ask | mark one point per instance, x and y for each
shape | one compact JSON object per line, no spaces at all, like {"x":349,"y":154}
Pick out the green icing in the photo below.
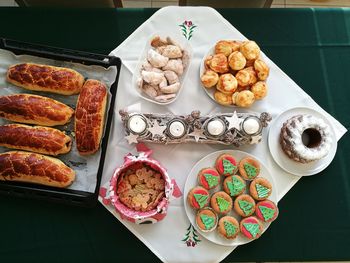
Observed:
{"x":211,"y":180}
{"x":235,"y":187}
{"x":246,"y":206}
{"x":201,"y":199}
{"x":250,"y":170}
{"x":262,"y":191}
{"x":222,"y":203}
{"x":208,"y":221}
{"x":252,"y":228}
{"x":230,"y":228}
{"x":268,"y":213}
{"x":228,"y":166}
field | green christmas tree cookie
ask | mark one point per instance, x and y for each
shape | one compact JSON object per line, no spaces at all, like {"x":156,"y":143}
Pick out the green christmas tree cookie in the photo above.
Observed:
{"x":229,"y":168}
{"x":235,"y":186}
{"x":230,"y":228}
{"x":222,"y":203}
{"x":262,"y":191}
{"x":268,"y":213}
{"x":252,"y":228}
{"x":208,"y":221}
{"x":247,"y":207}
{"x":250,"y":170}
{"x":201,"y":199}
{"x":211,"y":180}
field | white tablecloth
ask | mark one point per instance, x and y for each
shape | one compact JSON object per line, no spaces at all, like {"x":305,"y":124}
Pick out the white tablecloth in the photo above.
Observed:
{"x":165,"y":238}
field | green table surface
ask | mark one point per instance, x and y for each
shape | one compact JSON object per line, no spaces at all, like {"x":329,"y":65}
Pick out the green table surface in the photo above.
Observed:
{"x":311,"y":45}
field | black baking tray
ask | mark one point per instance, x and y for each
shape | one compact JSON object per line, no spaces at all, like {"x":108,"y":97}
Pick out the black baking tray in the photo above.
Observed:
{"x":66,"y":196}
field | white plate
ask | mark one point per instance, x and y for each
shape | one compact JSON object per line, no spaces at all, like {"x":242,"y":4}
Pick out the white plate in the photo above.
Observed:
{"x":137,"y":74}
{"x":287,"y":164}
{"x":209,"y":161}
{"x":210,"y":91}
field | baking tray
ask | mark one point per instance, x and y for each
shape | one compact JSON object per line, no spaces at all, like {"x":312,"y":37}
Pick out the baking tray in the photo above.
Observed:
{"x":58,"y":195}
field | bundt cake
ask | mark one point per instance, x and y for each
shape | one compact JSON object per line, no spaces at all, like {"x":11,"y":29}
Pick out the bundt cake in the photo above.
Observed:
{"x":305,"y":138}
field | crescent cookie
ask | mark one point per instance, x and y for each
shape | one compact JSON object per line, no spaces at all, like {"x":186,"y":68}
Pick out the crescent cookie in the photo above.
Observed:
{"x":227,"y":83}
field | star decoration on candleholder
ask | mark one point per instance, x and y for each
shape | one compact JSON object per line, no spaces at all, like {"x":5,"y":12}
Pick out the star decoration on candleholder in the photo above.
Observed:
{"x":156,"y":129}
{"x":132,"y":138}
{"x":234,"y":121}
{"x":255,"y":139}
{"x":197,"y":134}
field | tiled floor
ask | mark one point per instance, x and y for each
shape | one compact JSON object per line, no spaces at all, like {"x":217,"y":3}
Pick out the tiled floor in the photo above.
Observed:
{"x":276,"y":3}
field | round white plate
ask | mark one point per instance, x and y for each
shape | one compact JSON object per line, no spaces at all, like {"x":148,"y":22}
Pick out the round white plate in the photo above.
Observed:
{"x":287,"y":164}
{"x":210,"y":91}
{"x":209,"y":161}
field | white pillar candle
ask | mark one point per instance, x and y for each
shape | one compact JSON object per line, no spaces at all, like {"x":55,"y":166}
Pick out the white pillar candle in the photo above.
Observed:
{"x":251,"y":126}
{"x":177,"y":129}
{"x":137,"y":124}
{"x":216,"y":127}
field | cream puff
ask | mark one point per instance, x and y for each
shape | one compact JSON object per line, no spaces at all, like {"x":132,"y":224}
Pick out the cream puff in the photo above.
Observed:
{"x":223,"y":99}
{"x":237,"y":61}
{"x":219,"y":63}
{"x":244,"y":98}
{"x":209,"y":78}
{"x":243,"y":77}
{"x":252,"y":75}
{"x":261,"y":69}
{"x":227,"y":84}
{"x":259,"y":90}
{"x":250,"y":50}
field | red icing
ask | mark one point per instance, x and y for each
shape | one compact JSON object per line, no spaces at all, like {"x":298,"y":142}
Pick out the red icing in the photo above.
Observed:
{"x":248,"y":220}
{"x":220,"y":165}
{"x":202,"y":179}
{"x":194,"y":201}
{"x":177,"y":192}
{"x":266,"y":204}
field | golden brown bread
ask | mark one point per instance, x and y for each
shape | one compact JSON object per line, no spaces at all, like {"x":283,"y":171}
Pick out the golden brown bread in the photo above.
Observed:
{"x":34,"y":168}
{"x":34,"y":109}
{"x":89,"y":117}
{"x":35,"y":139}
{"x":45,"y":78}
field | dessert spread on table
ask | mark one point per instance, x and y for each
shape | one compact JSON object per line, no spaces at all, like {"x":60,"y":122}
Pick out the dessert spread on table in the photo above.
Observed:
{"x":160,"y":73}
{"x":237,"y":73}
{"x":38,"y":110}
{"x":233,"y":198}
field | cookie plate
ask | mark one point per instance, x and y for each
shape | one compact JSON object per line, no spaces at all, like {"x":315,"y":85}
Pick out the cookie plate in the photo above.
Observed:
{"x":209,"y":161}
{"x":283,"y":160}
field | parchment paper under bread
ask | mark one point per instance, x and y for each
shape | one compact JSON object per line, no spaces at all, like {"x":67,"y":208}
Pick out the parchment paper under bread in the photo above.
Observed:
{"x":85,"y":166}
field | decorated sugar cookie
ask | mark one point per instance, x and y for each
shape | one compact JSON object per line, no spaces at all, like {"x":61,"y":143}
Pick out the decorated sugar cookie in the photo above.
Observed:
{"x":206,"y":219}
{"x":249,"y":168}
{"x":209,"y":178}
{"x":244,"y":205}
{"x":260,"y":188}
{"x":228,"y":227}
{"x":226,"y":165}
{"x":221,"y":202}
{"x":251,"y":227}
{"x":198,"y":197}
{"x":266,"y":211}
{"x":234,"y":185}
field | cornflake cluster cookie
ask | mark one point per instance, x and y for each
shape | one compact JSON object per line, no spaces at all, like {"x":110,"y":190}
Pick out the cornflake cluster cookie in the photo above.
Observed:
{"x":237,"y":72}
{"x":141,"y":188}
{"x":232,"y":198}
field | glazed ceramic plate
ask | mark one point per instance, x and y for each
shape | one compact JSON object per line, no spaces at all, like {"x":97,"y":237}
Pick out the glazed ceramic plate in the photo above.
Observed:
{"x":210,"y":91}
{"x":283,"y":160}
{"x":209,"y":161}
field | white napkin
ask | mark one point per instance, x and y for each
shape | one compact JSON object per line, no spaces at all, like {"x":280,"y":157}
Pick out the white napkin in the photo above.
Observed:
{"x":165,"y":238}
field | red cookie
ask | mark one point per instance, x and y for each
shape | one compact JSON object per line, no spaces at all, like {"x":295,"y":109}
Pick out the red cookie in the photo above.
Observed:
{"x":249,"y":168}
{"x":266,"y":211}
{"x":244,"y":205}
{"x":209,"y":178}
{"x":221,"y":202}
{"x":206,"y":219}
{"x":226,"y":164}
{"x":251,"y":227}
{"x":198,"y":197}
{"x":260,"y":188}
{"x":228,"y":227}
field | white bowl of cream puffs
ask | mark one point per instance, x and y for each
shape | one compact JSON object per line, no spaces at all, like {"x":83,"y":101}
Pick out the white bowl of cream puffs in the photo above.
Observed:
{"x":162,"y":69}
{"x":233,"y":73}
